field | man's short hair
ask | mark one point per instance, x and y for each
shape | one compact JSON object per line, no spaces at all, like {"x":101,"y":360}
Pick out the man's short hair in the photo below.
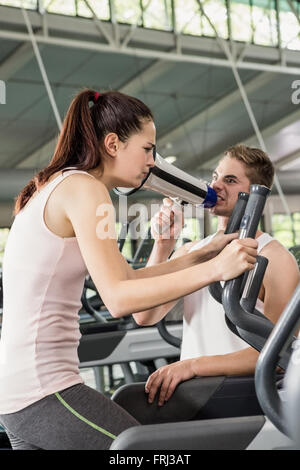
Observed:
{"x":258,"y":166}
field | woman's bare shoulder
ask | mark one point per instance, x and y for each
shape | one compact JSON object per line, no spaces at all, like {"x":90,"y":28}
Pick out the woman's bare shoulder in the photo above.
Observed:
{"x":82,"y":194}
{"x":84,"y":185}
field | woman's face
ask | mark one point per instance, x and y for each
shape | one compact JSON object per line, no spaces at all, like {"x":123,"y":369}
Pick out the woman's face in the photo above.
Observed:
{"x":134,"y":158}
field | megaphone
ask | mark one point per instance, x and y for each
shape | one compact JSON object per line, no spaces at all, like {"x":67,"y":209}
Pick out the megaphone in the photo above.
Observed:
{"x":172,"y":182}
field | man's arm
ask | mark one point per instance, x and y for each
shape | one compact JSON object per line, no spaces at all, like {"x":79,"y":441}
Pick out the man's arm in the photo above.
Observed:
{"x":281,"y":279}
{"x":180,"y":259}
{"x":168,"y":377}
{"x":160,"y":253}
{"x":154,"y":315}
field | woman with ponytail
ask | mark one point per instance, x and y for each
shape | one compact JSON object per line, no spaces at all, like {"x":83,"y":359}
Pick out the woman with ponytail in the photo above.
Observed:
{"x":107,"y":140}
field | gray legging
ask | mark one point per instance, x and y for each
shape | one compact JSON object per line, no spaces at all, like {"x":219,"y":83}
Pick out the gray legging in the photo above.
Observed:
{"x":78,"y":417}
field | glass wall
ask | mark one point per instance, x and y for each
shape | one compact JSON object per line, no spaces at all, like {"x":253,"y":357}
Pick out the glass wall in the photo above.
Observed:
{"x":3,"y":237}
{"x":192,"y":231}
{"x":262,"y":22}
{"x":287,"y":229}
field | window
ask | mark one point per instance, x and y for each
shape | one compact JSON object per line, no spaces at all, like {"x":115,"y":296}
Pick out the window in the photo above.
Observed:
{"x":289,"y":25}
{"x":101,"y":9}
{"x":157,"y":14}
{"x":287,"y":229}
{"x":241,"y":21}
{"x":214,"y":223}
{"x":3,"y":238}
{"x":128,"y":12}
{"x":264,"y":23}
{"x":245,"y":20}
{"x":192,"y":231}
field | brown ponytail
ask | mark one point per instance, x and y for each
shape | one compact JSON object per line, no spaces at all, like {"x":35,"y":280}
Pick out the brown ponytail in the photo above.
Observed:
{"x":84,"y":129}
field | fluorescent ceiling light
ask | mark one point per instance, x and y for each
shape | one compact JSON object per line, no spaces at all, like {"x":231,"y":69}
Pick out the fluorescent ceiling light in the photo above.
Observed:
{"x":171,"y":159}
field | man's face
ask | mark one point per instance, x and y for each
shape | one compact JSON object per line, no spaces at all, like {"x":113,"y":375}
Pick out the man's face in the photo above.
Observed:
{"x":229,"y":178}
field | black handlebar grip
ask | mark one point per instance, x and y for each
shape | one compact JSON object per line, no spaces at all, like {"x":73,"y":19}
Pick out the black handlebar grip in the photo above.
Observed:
{"x":233,"y":225}
{"x":253,"y":284}
{"x":234,"y":222}
{"x":278,"y":342}
{"x":168,"y":337}
{"x":231,"y":292}
{"x":253,"y":211}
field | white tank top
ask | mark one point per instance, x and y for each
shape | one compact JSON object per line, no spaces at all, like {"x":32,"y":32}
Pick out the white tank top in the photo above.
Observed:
{"x":205,"y":332}
{"x":43,"y":277}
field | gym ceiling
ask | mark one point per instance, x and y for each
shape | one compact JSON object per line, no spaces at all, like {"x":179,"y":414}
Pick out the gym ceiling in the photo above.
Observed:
{"x":188,"y":81}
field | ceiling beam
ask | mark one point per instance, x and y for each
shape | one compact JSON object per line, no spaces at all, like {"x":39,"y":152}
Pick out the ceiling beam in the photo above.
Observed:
{"x":251,"y":140}
{"x":153,"y":54}
{"x":13,"y":180}
{"x":142,"y":80}
{"x":41,"y":156}
{"x":287,"y":159}
{"x":81,"y":33}
{"x":220,"y":106}
{"x":16,"y":60}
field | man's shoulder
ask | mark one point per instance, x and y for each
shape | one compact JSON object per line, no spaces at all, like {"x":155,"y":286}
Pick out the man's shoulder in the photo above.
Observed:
{"x":277,"y":253}
{"x":272,"y":245}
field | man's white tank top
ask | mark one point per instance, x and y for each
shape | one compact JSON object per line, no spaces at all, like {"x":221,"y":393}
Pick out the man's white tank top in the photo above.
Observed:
{"x":205,"y":332}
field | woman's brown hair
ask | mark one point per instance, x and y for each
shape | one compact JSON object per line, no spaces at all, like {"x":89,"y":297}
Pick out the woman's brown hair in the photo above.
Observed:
{"x":90,"y":117}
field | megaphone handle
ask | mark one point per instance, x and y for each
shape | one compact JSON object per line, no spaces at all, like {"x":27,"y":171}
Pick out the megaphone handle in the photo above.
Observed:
{"x":177,"y":201}
{"x":165,"y":226}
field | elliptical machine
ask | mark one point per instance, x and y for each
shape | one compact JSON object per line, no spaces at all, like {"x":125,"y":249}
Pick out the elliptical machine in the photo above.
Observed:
{"x":237,"y":432}
{"x":107,"y":341}
{"x":282,"y":407}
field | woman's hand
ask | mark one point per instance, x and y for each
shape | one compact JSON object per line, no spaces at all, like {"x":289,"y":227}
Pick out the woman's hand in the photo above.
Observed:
{"x":236,"y":258}
{"x":167,"y":378}
{"x":213,"y":248}
{"x":220,"y":240}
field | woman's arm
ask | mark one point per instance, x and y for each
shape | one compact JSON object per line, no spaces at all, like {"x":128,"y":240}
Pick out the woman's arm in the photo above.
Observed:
{"x":88,"y":206}
{"x":182,"y":260}
{"x":166,"y":226}
{"x":158,"y":255}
